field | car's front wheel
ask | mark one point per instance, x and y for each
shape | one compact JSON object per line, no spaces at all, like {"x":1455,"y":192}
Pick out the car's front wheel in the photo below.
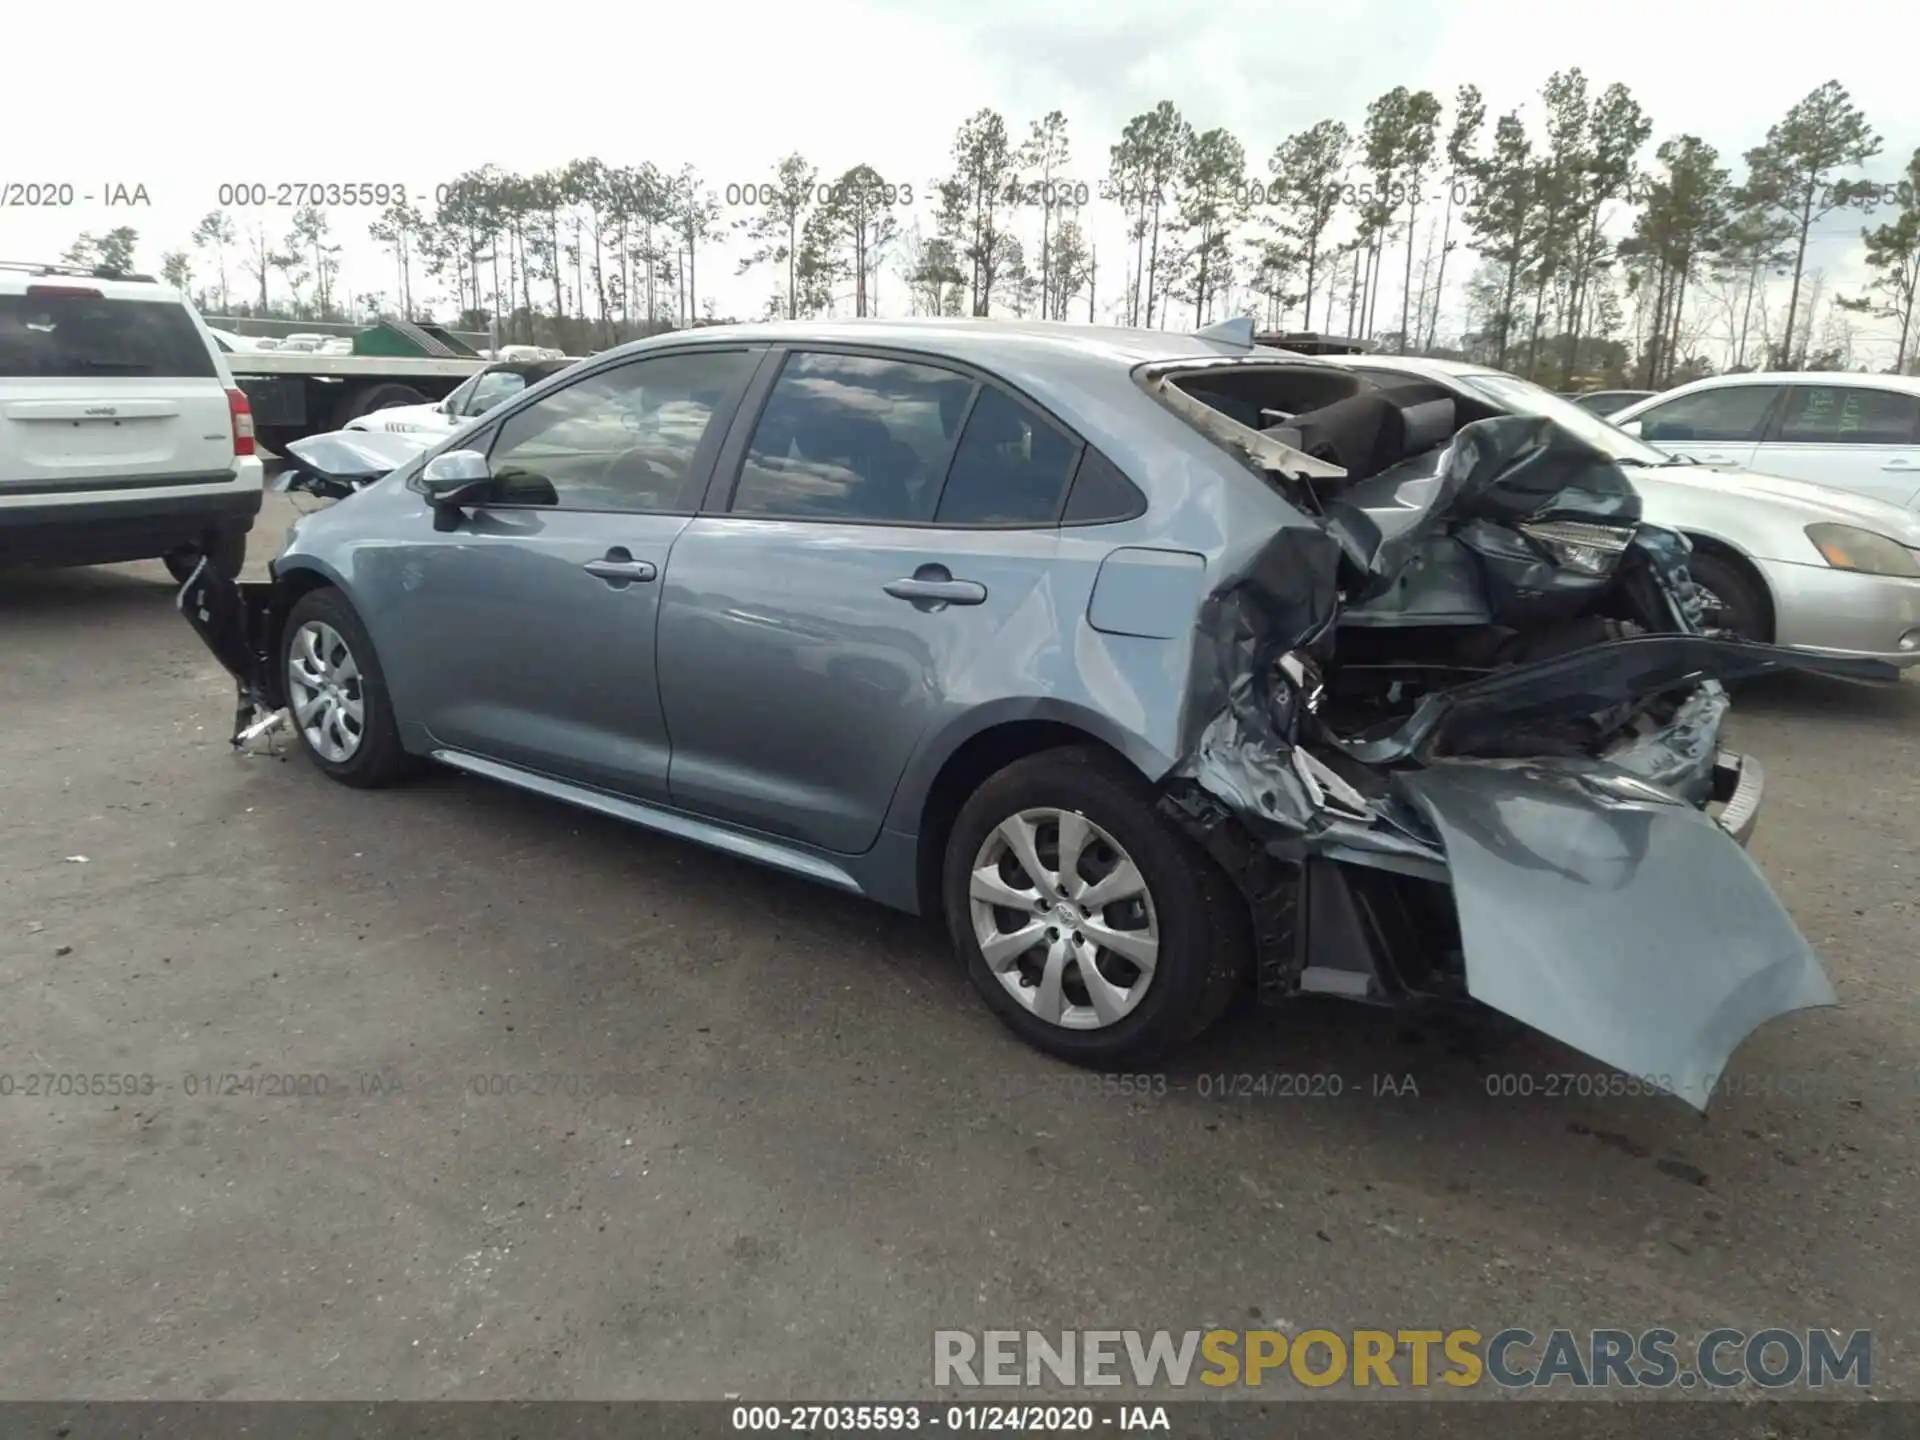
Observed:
{"x":1090,"y":925}
{"x":1734,"y":605}
{"x":338,"y":695}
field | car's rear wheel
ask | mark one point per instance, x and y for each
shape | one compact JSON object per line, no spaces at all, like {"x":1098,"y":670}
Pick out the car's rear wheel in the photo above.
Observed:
{"x":338,"y":694}
{"x":1734,"y":604}
{"x":1089,"y":924}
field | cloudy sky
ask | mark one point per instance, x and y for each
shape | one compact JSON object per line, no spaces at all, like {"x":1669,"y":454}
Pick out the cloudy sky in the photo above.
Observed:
{"x":225,"y":93}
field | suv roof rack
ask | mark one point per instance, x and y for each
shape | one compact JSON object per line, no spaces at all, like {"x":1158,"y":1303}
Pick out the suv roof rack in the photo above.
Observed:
{"x":91,"y":272}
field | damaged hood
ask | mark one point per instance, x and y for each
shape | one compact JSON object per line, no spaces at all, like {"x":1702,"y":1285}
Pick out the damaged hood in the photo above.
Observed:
{"x":337,"y":463}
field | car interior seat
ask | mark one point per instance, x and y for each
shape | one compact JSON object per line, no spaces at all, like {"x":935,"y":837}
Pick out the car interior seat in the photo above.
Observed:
{"x":1366,"y":433}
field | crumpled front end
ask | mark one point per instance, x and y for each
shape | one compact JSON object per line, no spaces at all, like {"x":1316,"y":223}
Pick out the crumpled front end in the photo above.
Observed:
{"x":1463,"y":742}
{"x":239,"y":621}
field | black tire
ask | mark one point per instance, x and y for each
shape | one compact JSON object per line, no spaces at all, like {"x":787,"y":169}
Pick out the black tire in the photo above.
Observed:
{"x":376,"y":397}
{"x":274,"y":439}
{"x":1742,"y":607}
{"x":1206,"y":943}
{"x":378,"y":759}
{"x":229,"y":552}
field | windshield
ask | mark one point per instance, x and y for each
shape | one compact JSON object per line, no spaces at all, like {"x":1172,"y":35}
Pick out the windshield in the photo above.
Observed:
{"x":1523,"y":397}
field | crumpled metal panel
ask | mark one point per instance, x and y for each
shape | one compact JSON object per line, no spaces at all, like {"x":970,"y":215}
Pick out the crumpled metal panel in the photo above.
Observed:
{"x":1500,"y":472}
{"x":1627,"y":925}
{"x":1591,"y":681}
{"x":1597,"y":902}
{"x":1679,"y":756}
{"x":1246,"y":711}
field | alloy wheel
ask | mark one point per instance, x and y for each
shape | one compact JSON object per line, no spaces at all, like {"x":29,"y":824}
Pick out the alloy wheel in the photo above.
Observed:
{"x":326,"y":692}
{"x":1064,"y":918}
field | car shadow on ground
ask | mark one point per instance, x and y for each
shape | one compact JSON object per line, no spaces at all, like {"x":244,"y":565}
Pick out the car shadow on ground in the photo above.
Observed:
{"x":1438,"y":1080}
{"x":85,"y":593}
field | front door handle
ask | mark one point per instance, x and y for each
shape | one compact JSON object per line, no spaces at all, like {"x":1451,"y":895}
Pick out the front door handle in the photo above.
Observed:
{"x":1713,"y":459}
{"x":1898,"y":465}
{"x":932,"y":587}
{"x":620,"y":569}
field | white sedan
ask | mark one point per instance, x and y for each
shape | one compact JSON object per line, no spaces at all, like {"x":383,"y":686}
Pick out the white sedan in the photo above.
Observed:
{"x":1853,"y":432}
{"x":476,"y":395}
{"x":1784,"y":561}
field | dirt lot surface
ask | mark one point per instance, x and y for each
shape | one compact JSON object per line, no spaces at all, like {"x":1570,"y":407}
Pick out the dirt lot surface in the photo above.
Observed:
{"x":448,"y":1091}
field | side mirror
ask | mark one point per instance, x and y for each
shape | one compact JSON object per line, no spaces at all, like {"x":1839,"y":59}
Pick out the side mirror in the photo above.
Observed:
{"x":1632,"y":427}
{"x":453,"y":481}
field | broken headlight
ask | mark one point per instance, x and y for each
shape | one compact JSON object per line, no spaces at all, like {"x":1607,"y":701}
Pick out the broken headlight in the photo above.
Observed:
{"x":1580,"y":544}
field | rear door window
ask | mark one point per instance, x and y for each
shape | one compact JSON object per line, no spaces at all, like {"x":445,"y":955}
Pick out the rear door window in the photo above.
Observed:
{"x":53,"y":336}
{"x":1849,"y":415}
{"x":1012,"y":467}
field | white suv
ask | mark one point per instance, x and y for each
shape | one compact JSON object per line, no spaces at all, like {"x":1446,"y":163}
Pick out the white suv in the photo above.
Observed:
{"x":122,"y":433}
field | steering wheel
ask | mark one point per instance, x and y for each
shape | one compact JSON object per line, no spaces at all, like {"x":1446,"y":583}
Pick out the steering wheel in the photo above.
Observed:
{"x":659,"y":464}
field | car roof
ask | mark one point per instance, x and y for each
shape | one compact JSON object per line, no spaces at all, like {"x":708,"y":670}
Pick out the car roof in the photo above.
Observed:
{"x":1081,"y":374}
{"x":987,"y":342}
{"x":1910,"y":384}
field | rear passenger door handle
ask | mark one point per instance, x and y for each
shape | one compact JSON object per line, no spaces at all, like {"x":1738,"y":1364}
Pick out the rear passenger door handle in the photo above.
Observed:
{"x":932,"y":587}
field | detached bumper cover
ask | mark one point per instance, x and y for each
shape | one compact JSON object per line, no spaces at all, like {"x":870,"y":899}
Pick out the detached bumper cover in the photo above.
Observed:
{"x":1627,"y":926}
{"x":238,"y":623}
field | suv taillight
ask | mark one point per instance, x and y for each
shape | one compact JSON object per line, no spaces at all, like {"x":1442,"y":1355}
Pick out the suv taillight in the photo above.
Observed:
{"x":242,"y":413}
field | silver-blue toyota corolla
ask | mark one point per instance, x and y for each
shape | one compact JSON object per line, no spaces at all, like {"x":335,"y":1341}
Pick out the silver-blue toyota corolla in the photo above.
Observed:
{"x":1166,"y":670}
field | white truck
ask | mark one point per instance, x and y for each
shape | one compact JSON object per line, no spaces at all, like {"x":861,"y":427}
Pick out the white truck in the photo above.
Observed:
{"x":310,"y":390}
{"x":295,"y":393}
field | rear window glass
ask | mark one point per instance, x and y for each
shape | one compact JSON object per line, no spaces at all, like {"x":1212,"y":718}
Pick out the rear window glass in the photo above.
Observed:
{"x":75,"y":336}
